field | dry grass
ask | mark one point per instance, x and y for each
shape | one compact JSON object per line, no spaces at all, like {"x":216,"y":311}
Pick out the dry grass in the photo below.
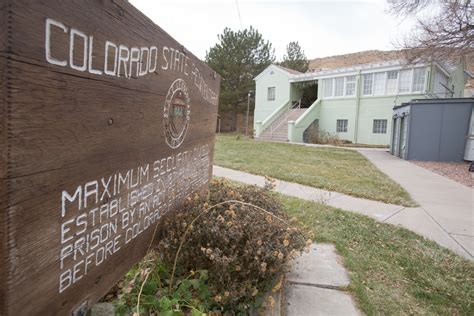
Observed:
{"x":333,"y":169}
{"x":393,"y":271}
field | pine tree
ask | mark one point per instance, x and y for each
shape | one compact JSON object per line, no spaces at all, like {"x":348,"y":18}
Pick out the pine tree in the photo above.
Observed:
{"x":295,"y":58}
{"x":239,"y":56}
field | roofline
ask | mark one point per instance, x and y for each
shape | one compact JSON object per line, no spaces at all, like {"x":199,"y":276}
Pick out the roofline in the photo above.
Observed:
{"x":434,"y":101}
{"x":387,"y":65}
{"x":275,"y":67}
{"x":344,"y":71}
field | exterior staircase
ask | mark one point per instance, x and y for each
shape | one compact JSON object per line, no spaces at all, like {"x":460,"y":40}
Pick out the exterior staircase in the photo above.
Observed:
{"x":278,"y":130}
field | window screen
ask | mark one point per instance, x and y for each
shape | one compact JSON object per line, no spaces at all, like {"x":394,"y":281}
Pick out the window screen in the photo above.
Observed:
{"x":379,"y":83}
{"x":327,"y":86}
{"x":418,"y":84}
{"x":380,"y":127}
{"x":404,"y":82}
{"x":341,"y":126}
{"x":339,"y":87}
{"x":271,"y":94}
{"x":391,"y":82}
{"x":350,"y":85}
{"x":368,"y":80}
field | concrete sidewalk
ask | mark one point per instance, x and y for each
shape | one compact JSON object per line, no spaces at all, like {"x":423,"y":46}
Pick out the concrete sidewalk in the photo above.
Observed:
{"x":446,"y":214}
{"x":316,"y":285}
{"x":415,"y":219}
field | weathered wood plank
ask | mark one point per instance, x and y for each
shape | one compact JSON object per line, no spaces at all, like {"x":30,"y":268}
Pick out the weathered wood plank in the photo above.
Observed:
{"x":4,"y":99}
{"x":97,"y":145}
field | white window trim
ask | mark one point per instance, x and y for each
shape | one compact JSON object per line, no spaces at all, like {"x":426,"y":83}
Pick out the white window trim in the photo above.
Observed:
{"x":333,"y":92}
{"x":268,"y":94}
{"x":363,"y":85}
{"x":410,"y":84}
{"x":410,"y":92}
{"x":355,"y":87}
{"x":343,"y":88}
{"x":396,"y":87}
{"x":425,"y":80}
{"x":380,"y":120}
{"x":384,"y":84}
{"x":346,"y":125}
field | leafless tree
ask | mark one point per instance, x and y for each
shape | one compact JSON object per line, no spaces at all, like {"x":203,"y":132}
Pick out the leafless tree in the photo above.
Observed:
{"x":444,"y":28}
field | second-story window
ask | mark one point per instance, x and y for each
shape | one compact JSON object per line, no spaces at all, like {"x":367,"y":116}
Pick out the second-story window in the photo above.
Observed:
{"x":404,"y":82}
{"x":327,"y":87}
{"x":392,"y":82}
{"x":271,"y":94}
{"x":339,"y":87}
{"x":350,"y":85}
{"x":418,"y":84}
{"x":379,"y":83}
{"x":367,"y":87}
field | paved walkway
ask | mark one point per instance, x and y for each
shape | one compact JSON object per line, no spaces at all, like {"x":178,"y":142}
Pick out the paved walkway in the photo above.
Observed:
{"x":446,"y":214}
{"x":414,"y":219}
{"x":315,"y":285}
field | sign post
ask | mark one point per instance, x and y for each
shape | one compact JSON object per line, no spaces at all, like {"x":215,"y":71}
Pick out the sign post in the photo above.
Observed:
{"x":106,"y":124}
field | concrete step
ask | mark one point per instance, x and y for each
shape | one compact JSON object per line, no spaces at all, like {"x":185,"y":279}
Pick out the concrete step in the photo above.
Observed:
{"x":280,"y":125}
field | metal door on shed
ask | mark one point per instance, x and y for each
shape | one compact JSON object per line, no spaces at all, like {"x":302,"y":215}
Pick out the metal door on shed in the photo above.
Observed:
{"x":396,"y":136}
{"x":403,"y":137}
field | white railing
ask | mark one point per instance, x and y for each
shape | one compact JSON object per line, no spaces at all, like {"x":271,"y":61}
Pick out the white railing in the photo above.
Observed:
{"x":270,"y":119}
{"x":299,"y":126}
{"x":295,"y":105}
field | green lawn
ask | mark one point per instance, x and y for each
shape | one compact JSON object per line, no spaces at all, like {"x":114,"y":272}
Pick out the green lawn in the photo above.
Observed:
{"x":393,"y":271}
{"x":341,"y":170}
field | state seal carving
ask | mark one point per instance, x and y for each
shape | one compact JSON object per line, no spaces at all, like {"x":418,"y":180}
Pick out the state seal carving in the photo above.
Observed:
{"x":176,"y":113}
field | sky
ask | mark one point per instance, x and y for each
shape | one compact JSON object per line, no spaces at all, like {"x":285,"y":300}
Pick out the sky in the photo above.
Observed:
{"x":323,"y":28}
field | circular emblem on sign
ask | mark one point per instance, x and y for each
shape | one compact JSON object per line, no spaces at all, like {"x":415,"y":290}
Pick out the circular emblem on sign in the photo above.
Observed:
{"x":176,"y":113}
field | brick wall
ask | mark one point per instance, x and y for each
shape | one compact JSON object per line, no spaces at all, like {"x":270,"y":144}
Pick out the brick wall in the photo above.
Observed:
{"x":235,"y":122}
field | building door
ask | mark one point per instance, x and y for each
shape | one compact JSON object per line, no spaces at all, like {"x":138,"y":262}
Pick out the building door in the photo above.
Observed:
{"x":403,"y":137}
{"x":396,"y":137}
{"x":394,"y":132}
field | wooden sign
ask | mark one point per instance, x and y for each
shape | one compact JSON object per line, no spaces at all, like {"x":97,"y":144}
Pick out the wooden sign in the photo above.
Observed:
{"x":107,"y":124}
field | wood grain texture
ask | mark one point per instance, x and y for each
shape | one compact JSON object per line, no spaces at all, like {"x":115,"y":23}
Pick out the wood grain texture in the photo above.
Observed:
{"x":62,"y":128}
{"x":5,"y":45}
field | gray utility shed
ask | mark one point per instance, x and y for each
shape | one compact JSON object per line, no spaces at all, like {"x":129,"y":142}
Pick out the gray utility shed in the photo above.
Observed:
{"x":431,"y":129}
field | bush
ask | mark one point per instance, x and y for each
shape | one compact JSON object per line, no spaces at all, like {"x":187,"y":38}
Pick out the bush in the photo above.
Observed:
{"x":243,"y":244}
{"x":231,"y":245}
{"x":320,"y":136}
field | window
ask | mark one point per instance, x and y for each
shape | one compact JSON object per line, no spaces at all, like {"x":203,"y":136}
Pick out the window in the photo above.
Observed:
{"x":350,"y":85}
{"x":271,"y":94}
{"x":380,"y":127}
{"x":392,"y":81}
{"x":418,"y":84}
{"x":341,"y":126}
{"x":367,"y":88}
{"x":404,"y":82}
{"x":339,"y":87}
{"x":327,"y":85}
{"x":440,"y":83}
{"x":379,"y":83}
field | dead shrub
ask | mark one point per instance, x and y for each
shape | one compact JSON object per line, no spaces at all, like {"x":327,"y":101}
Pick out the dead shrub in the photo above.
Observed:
{"x":320,"y":136}
{"x":243,"y":244}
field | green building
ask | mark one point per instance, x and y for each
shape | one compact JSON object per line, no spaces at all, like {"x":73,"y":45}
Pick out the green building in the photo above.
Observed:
{"x":354,"y":103}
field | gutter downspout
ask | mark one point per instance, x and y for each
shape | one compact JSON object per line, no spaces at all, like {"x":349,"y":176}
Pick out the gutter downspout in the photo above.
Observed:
{"x":358,"y":88}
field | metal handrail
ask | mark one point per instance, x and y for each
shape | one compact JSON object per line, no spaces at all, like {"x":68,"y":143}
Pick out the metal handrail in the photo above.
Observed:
{"x":296,"y":105}
{"x":431,"y":95}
